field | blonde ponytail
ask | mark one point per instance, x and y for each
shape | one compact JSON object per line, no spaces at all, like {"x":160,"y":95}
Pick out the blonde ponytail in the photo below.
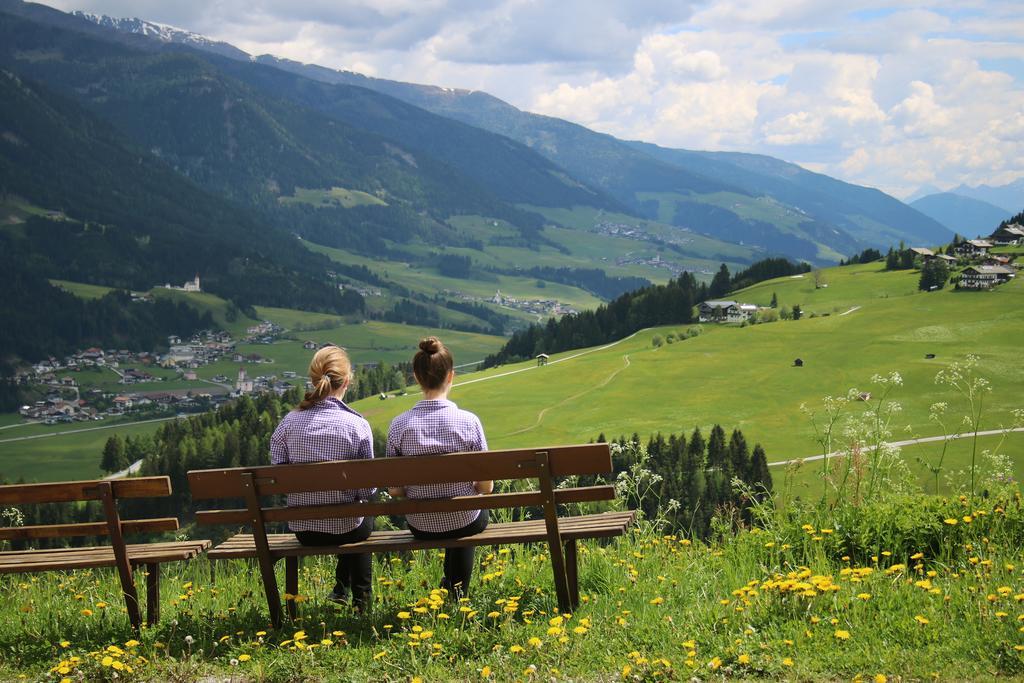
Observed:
{"x":329,"y":370}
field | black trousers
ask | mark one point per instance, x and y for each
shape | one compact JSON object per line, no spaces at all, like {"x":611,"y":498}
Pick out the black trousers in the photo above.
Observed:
{"x":354,"y":572}
{"x":458,"y":562}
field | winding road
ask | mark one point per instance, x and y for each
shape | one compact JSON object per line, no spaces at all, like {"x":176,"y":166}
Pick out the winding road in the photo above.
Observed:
{"x":907,"y":442}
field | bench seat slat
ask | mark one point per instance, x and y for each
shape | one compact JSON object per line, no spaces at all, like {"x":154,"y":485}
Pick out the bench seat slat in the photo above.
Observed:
{"x":601,"y":525}
{"x":128,"y":526}
{"x":19,"y":561}
{"x":403,"y":507}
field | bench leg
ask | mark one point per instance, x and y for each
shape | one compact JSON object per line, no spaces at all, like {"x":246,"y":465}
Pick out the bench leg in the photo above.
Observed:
{"x":131,"y":596}
{"x":571,"y":574}
{"x":270,"y":588}
{"x":152,"y":594}
{"x":291,"y":583}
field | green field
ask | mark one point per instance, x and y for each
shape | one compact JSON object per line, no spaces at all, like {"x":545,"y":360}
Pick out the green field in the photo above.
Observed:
{"x":62,"y":457}
{"x":332,"y":198}
{"x":744,"y":376}
{"x":82,"y":290}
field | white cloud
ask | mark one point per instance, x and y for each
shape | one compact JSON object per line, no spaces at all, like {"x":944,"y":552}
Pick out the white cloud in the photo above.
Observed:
{"x":892,"y":93}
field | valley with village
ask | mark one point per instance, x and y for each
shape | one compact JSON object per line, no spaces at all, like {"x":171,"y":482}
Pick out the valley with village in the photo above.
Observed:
{"x":743,"y":379}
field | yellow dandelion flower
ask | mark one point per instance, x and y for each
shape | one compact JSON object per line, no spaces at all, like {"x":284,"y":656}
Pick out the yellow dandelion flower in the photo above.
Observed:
{"x":107,"y":661}
{"x":485,"y":672}
{"x":535,"y":642}
{"x":880,"y":678}
{"x":244,"y":658}
{"x":842,"y":635}
{"x":380,"y":654}
{"x":951,"y":521}
{"x":863,"y":596}
{"x":404,"y":615}
{"x":788,"y":661}
{"x":921,"y":620}
{"x":715,"y":663}
{"x":743,"y":659}
{"x":87,"y":612}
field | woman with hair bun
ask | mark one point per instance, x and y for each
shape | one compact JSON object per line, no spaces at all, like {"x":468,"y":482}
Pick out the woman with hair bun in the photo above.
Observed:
{"x":323,"y":428}
{"x":436,"y":426}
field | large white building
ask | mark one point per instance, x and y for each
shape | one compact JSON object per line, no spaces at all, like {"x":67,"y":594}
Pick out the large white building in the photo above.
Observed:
{"x":725,"y":311}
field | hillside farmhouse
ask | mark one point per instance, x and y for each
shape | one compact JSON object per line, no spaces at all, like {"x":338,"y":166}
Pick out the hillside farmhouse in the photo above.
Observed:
{"x":725,"y":311}
{"x":984,"y":277}
{"x":1012,"y":234}
{"x":923,"y":252}
{"x":972,"y":248}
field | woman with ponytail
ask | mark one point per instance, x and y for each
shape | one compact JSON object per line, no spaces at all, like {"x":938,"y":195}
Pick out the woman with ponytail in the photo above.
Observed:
{"x":324,"y":428}
{"x":435,"y":426}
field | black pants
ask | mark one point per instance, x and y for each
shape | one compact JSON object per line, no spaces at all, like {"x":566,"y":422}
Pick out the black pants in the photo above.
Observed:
{"x":355,"y":570}
{"x":458,"y":562}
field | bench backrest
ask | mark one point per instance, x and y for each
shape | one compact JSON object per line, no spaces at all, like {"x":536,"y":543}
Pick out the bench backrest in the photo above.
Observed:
{"x":106,"y":491}
{"x":544,"y":464}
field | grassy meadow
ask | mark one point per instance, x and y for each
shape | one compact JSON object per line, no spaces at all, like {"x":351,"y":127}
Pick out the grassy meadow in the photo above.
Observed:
{"x":928,"y":589}
{"x":744,"y":376}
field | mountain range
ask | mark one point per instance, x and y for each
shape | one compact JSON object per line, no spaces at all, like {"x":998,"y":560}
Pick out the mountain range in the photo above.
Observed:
{"x":740,"y":198}
{"x":134,"y":153}
{"x":964,"y":215}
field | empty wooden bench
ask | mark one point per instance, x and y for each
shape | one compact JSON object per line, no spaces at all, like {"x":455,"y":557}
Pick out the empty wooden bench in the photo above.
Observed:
{"x":251,"y":484}
{"x":125,"y":557}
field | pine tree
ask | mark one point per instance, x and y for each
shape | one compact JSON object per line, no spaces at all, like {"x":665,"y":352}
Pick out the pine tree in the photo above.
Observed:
{"x":775,"y":301}
{"x":114,"y":459}
{"x":797,"y":312}
{"x":759,"y":471}
{"x":739,"y":455}
{"x":716,"y":448}
{"x":721,"y":283}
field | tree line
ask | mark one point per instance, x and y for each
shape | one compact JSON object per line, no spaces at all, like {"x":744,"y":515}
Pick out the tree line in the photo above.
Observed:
{"x":666,"y":304}
{"x":697,"y":473}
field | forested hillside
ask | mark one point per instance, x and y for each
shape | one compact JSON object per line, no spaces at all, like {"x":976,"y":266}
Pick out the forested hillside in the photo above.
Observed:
{"x":57,"y":156}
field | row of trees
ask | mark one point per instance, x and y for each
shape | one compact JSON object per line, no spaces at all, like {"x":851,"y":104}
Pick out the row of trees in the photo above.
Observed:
{"x":667,"y":304}
{"x":696,"y":472}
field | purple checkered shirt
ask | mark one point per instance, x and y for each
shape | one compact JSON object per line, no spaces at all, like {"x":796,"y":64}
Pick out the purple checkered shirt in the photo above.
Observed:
{"x":436,"y":427}
{"x":329,"y":430}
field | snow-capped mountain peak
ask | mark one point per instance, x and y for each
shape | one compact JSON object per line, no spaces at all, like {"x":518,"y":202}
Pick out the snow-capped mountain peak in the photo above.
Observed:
{"x":162,"y":32}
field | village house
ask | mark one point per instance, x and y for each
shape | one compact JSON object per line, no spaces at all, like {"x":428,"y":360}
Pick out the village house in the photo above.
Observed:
{"x":973,"y":248}
{"x":725,"y":311}
{"x":984,"y":277}
{"x":1012,"y":234}
{"x":925,"y":253}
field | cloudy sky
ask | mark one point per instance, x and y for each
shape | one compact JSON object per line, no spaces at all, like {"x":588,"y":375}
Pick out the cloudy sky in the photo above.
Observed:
{"x":892,"y":94}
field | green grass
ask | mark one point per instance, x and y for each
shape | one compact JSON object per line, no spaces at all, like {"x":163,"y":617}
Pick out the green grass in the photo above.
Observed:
{"x":749,"y":208}
{"x":784,"y":603}
{"x":428,"y":281}
{"x":806,"y":480}
{"x":82,"y":290}
{"x":63,"y":457}
{"x":744,"y":377}
{"x":332,"y":197}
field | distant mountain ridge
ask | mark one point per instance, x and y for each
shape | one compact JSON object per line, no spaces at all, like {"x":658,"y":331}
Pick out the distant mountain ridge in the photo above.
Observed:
{"x":653,"y":185}
{"x":1009,"y":197}
{"x":964,"y":215}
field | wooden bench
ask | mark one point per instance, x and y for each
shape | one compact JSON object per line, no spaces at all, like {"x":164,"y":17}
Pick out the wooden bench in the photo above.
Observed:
{"x":125,"y":557}
{"x":560,"y":533}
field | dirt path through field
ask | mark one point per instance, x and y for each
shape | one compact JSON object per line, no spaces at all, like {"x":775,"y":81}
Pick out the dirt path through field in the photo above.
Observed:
{"x":542,"y":413}
{"x":907,"y":442}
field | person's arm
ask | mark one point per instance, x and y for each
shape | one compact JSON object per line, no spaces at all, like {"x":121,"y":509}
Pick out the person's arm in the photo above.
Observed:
{"x":279,"y":446}
{"x":482,"y":486}
{"x":392,"y":450}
